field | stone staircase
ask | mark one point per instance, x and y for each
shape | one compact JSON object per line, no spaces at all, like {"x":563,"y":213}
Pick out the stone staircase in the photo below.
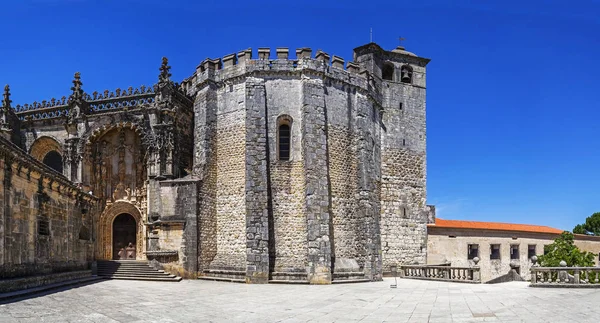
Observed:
{"x":133,"y":270}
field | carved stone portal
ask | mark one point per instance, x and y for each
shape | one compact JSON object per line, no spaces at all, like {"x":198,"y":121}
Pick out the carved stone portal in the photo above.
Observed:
{"x":106,"y":229}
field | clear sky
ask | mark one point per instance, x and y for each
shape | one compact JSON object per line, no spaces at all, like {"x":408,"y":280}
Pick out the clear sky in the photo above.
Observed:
{"x":512,"y":88}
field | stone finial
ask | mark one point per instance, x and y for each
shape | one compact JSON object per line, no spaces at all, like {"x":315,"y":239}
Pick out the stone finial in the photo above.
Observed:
{"x":476,"y":260}
{"x":562,"y":263}
{"x":165,"y":71}
{"x":76,"y":88}
{"x":534,"y":259}
{"x":282,"y":52}
{"x":6,"y":97}
{"x":264,"y":53}
{"x":303,"y":52}
{"x":229,"y":60}
{"x":322,"y":56}
{"x":337,"y":62}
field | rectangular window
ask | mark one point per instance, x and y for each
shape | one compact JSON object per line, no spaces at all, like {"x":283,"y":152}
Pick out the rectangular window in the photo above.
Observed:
{"x":514,"y":251}
{"x":43,"y":227}
{"x":530,"y":251}
{"x":494,"y":251}
{"x":472,"y":251}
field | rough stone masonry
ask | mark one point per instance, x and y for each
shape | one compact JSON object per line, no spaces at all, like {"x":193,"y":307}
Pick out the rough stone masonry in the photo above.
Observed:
{"x":258,"y":170}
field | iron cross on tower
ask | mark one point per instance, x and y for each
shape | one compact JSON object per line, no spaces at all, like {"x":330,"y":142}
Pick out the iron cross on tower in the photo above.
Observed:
{"x":400,"y":39}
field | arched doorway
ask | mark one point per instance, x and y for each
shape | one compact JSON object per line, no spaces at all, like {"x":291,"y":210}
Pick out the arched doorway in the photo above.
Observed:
{"x":124,"y":237}
{"x":105,"y":230}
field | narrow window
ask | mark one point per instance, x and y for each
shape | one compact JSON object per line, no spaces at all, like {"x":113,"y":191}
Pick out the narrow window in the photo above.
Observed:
{"x":472,"y":251}
{"x":388,"y":72}
{"x":530,"y":251}
{"x":406,"y":74}
{"x":514,"y":251}
{"x":43,"y":228}
{"x":400,"y":105}
{"x":494,"y":251}
{"x":284,"y":142}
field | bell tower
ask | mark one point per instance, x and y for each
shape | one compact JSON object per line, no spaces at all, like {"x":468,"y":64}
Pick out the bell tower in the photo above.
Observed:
{"x":399,"y":77}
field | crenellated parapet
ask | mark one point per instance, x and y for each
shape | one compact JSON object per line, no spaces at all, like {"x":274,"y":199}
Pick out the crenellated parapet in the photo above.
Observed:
{"x":322,"y":65}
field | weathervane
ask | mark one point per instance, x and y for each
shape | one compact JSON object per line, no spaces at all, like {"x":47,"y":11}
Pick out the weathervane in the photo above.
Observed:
{"x":400,"y":39}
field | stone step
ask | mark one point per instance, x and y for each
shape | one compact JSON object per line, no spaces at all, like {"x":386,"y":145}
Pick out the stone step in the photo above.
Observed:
{"x":123,"y":266}
{"x":139,"y":275}
{"x":132,"y":270}
{"x":350,"y":281}
{"x":282,"y":281}
{"x":13,"y":296}
{"x":222,"y":279}
{"x":108,"y":273}
{"x":161,"y":279}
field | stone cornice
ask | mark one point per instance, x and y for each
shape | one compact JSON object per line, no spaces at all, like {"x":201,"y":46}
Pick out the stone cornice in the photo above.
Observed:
{"x":26,"y":164}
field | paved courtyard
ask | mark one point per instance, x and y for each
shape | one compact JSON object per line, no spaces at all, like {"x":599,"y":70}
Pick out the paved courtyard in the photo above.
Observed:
{"x":205,"y":301}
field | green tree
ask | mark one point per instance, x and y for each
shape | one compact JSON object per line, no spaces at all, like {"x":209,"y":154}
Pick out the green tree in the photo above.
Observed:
{"x":590,"y":227}
{"x":564,"y":248}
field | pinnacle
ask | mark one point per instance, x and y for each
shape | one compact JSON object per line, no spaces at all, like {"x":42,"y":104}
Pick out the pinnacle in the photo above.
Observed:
{"x":6,"y":96}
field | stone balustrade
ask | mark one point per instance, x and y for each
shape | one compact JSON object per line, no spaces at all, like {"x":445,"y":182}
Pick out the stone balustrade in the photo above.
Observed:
{"x":444,"y":273}
{"x":564,"y":276}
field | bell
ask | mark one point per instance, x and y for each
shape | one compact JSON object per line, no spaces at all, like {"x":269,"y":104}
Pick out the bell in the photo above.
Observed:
{"x":405,"y":75}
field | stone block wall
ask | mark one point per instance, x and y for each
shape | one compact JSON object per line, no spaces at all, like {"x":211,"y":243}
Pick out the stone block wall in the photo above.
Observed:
{"x":177,"y":227}
{"x":287,"y":184}
{"x":45,"y":221}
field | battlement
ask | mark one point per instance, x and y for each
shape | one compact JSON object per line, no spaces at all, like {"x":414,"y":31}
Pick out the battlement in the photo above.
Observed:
{"x":278,"y":60}
{"x":265,"y":54}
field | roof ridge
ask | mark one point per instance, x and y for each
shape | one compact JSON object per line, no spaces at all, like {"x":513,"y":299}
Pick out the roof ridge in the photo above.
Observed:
{"x":498,"y":226}
{"x":509,"y":223}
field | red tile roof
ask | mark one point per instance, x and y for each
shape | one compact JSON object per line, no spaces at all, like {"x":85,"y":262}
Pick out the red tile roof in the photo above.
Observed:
{"x":458,"y":224}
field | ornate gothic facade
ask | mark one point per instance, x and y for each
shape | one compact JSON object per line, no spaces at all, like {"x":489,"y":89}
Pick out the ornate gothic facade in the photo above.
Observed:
{"x":255,"y":169}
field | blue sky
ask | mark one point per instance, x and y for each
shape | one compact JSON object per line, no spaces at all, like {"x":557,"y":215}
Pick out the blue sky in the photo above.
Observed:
{"x":512,"y":89}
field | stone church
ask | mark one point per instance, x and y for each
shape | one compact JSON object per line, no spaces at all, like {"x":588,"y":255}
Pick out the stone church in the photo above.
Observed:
{"x":305,"y":169}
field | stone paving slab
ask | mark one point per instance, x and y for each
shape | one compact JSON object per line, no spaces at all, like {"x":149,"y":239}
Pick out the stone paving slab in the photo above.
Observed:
{"x":208,"y":301}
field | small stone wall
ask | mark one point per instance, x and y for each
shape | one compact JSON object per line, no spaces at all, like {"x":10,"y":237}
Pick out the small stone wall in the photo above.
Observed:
{"x":10,"y":285}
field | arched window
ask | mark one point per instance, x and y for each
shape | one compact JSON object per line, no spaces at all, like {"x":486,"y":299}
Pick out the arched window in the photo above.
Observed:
{"x":283,"y":141}
{"x":387,"y":72}
{"x":406,"y":74}
{"x":54,"y":160}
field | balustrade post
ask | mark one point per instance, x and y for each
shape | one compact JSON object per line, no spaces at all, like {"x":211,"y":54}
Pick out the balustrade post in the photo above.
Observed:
{"x":562,"y":274}
{"x":476,"y":270}
{"x":576,"y":276}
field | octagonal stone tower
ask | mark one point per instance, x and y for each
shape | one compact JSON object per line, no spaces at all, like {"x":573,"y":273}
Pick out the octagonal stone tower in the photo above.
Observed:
{"x":310,"y":171}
